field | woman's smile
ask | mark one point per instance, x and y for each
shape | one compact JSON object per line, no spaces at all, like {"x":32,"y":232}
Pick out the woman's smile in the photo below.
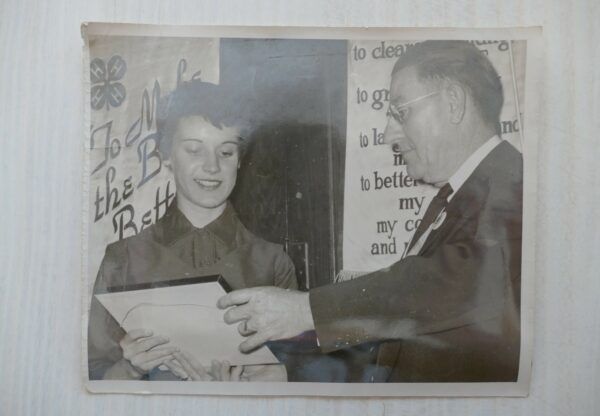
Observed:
{"x":208,"y":184}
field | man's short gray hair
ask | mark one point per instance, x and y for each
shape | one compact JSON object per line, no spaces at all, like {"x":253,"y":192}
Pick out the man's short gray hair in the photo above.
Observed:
{"x":462,"y":62}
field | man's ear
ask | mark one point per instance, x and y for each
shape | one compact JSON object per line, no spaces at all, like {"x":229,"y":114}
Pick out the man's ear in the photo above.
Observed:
{"x":457,"y":99}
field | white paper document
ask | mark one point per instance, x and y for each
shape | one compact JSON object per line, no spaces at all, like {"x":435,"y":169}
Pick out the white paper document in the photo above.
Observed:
{"x":189,"y":317}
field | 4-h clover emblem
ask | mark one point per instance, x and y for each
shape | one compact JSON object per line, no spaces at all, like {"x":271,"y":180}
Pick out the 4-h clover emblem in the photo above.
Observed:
{"x":106,"y":91}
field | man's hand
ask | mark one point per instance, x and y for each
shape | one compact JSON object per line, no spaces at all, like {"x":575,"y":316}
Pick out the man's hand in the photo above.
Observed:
{"x":267,"y":314}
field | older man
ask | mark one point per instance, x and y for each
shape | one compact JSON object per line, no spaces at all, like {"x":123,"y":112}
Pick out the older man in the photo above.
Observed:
{"x":449,"y":310}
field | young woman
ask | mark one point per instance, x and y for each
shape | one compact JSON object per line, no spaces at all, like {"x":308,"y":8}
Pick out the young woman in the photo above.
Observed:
{"x":201,"y":128}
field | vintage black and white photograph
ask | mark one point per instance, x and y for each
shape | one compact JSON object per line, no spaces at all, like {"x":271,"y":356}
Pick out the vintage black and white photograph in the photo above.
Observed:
{"x":274,"y":211}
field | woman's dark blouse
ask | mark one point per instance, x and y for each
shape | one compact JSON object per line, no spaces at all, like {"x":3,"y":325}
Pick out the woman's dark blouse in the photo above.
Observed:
{"x":174,"y":249}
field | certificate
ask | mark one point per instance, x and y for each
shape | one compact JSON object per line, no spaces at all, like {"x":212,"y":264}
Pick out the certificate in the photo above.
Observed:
{"x":188,"y":315}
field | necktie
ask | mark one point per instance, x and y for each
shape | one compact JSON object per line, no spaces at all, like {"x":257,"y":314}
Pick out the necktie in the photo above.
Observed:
{"x":438,"y":203}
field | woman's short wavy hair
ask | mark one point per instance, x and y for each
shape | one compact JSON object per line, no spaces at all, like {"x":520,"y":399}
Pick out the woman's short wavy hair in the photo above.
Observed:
{"x":216,"y":103}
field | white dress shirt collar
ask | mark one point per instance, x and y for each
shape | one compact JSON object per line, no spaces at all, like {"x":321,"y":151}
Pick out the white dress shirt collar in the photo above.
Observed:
{"x":466,"y":169}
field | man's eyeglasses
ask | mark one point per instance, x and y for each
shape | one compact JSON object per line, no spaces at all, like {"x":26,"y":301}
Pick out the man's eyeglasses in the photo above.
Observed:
{"x":399,"y":112}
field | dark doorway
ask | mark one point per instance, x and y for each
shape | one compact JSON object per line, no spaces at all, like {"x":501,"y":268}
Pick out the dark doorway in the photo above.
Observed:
{"x":290,"y":185}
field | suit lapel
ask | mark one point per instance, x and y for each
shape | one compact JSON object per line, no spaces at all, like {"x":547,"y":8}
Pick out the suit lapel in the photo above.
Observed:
{"x":466,"y":203}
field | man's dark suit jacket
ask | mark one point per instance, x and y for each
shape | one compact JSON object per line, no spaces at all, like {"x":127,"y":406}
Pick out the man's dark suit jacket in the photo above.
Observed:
{"x":452,"y":312}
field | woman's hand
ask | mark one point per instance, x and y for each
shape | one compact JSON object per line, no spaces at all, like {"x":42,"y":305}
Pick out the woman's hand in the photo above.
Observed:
{"x":142,"y":352}
{"x":267,"y":372}
{"x":218,"y":371}
{"x":224,"y":371}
